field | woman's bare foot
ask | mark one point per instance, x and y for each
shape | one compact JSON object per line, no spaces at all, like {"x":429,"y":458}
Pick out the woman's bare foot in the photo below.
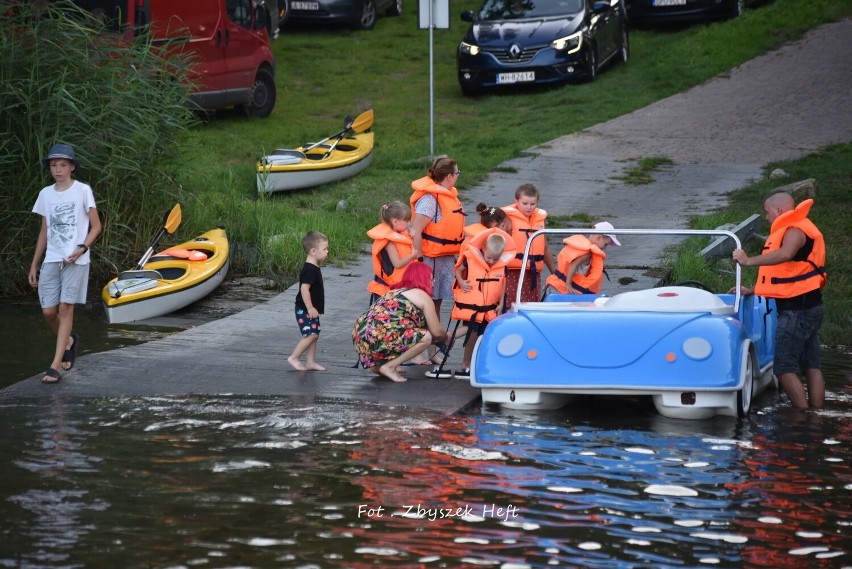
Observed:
{"x":314,"y":367}
{"x":391,"y":373}
{"x":295,"y":364}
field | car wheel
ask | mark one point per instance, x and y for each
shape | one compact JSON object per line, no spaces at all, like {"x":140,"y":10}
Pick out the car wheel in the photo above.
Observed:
{"x":369,"y":15}
{"x":263,"y":94}
{"x":283,"y":12}
{"x":624,"y":45}
{"x":745,"y":394}
{"x":591,"y":63}
{"x":395,"y":8}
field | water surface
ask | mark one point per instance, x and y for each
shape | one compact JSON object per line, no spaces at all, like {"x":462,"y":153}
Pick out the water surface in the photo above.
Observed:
{"x":271,"y":482}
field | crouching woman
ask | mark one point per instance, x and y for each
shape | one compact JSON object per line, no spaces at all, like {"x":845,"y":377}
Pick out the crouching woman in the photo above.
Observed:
{"x":400,"y":325}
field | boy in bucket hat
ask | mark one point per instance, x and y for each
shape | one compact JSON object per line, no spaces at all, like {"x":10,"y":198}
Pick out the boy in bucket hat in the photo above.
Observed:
{"x":69,"y":226}
{"x":581,"y":251}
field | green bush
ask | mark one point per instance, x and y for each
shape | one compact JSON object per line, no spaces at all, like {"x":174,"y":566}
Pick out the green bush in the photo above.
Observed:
{"x":119,"y":102}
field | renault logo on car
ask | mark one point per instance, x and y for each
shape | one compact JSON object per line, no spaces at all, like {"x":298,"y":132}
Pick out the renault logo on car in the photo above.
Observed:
{"x":515,"y":51}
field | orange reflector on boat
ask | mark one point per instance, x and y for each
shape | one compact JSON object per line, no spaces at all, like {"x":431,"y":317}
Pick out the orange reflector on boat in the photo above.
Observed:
{"x":670,"y":357}
{"x":532,"y":354}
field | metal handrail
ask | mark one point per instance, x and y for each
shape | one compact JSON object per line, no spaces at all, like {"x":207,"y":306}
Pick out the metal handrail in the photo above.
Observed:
{"x":685,"y":232}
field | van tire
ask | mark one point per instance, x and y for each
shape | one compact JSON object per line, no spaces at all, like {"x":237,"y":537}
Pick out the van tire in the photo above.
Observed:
{"x":263,"y":94}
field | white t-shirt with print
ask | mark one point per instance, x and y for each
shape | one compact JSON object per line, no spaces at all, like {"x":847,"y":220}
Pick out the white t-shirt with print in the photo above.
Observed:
{"x":67,"y":215}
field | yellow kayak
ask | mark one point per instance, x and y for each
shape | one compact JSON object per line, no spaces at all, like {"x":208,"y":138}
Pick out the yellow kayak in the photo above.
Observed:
{"x":169,"y":280}
{"x":350,"y":151}
{"x":299,"y":168}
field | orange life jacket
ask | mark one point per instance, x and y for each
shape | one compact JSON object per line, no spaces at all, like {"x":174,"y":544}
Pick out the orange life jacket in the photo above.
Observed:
{"x":473,"y":229}
{"x":443,"y":237}
{"x":385,"y":275}
{"x":481,"y":301}
{"x":522,"y":228}
{"x":577,"y":246}
{"x":797,"y":276}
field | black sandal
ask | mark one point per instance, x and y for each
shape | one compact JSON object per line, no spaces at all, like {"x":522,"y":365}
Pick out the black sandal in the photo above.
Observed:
{"x":71,"y":354}
{"x":51,"y":376}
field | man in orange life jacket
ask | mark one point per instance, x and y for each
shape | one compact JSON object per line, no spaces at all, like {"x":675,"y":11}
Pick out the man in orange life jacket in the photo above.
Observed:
{"x":791,"y":270}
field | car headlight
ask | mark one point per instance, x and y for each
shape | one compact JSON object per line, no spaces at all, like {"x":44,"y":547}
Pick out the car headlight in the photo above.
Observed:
{"x":570,"y":43}
{"x":468,"y":49}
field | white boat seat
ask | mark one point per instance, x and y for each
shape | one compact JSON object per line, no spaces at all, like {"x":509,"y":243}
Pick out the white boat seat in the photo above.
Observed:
{"x":142,"y":274}
{"x":669,"y":299}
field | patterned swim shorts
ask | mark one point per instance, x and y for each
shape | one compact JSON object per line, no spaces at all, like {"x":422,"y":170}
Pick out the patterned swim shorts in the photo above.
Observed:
{"x":307,"y":325}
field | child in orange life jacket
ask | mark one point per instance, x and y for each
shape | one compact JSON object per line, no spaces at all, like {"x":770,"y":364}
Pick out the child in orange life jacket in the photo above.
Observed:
{"x":392,"y":248}
{"x":480,"y":285}
{"x":488,"y":217}
{"x":527,"y":218}
{"x":581,"y":251}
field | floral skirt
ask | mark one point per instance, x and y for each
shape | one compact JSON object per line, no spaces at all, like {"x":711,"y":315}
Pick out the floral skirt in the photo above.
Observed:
{"x":389,"y":328}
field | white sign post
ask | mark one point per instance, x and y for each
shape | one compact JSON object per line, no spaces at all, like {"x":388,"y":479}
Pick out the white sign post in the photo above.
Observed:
{"x":431,"y":15}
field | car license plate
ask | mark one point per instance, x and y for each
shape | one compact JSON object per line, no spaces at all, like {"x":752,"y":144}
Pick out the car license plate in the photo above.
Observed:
{"x":304,"y":5}
{"x":669,"y":2}
{"x":516,"y":77}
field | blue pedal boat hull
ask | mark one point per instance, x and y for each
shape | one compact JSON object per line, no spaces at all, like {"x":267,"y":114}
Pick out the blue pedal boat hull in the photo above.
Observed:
{"x":692,"y":351}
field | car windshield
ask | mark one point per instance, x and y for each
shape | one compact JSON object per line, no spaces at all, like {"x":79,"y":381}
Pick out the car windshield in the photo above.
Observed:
{"x":519,"y":9}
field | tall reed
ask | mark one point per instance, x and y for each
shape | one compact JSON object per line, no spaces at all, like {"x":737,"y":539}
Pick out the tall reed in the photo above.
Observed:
{"x":118,"y":101}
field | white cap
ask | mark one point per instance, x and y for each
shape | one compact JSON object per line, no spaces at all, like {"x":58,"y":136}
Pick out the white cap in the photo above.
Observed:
{"x":608,"y":225}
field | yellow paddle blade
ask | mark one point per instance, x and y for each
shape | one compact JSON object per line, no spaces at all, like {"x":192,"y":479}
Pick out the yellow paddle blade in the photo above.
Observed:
{"x":362,"y":122}
{"x":173,"y":220}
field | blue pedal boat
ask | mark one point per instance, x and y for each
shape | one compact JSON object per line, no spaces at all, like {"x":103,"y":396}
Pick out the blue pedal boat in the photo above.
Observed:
{"x":696,"y":353}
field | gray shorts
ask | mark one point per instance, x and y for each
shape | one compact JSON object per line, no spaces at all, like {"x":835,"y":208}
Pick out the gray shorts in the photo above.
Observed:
{"x":797,"y":340}
{"x":62,"y":283}
{"x":443,"y":276}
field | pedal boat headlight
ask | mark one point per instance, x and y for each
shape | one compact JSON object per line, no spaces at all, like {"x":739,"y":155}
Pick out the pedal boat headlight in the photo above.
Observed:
{"x":512,"y":345}
{"x":697,"y":348}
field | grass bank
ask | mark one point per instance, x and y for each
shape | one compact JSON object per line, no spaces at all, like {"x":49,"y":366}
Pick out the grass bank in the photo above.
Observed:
{"x":324,"y":74}
{"x":832,"y":213}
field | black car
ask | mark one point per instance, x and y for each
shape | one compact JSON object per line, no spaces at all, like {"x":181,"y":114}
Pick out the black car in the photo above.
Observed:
{"x":518,"y":42}
{"x":683,"y":11}
{"x":360,"y":14}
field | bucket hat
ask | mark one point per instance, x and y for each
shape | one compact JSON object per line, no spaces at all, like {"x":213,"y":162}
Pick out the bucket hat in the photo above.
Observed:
{"x":61,"y":151}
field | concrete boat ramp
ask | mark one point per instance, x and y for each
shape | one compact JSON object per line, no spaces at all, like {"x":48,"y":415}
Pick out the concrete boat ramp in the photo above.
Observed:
{"x":246,"y":353}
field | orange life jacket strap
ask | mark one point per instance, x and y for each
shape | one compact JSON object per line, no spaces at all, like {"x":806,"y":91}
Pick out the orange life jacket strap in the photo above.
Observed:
{"x":817,"y":272}
{"x":562,"y":276}
{"x":441,"y":240}
{"x":476,"y":308}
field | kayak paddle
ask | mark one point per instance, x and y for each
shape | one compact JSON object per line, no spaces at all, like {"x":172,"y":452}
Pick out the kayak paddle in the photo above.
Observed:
{"x":171,"y":221}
